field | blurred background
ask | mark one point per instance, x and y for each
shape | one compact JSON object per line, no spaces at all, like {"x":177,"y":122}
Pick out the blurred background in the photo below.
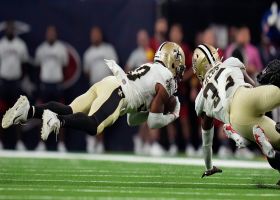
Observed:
{"x":54,"y":50}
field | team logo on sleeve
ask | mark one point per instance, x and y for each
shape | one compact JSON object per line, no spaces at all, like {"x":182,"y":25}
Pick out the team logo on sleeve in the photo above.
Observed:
{"x":168,"y":85}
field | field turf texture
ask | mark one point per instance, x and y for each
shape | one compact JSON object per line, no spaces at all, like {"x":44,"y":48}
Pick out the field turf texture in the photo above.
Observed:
{"x":73,"y":179}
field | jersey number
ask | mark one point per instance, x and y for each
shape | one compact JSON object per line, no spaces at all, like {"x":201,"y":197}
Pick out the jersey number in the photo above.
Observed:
{"x":137,"y":73}
{"x":210,"y":86}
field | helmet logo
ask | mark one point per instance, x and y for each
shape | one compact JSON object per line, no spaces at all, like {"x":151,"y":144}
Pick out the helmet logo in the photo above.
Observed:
{"x":177,"y":54}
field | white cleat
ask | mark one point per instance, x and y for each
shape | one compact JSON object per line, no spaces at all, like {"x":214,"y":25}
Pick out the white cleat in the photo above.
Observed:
{"x":190,"y":151}
{"x":262,"y":141}
{"x":157,"y":150}
{"x":173,"y":150}
{"x":224,"y":152}
{"x":238,"y":139}
{"x":17,"y":114}
{"x":50,"y":124}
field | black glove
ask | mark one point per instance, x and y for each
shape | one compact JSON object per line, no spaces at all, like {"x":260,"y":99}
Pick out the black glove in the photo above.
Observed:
{"x":212,"y":171}
{"x":277,"y":127}
{"x":271,"y":74}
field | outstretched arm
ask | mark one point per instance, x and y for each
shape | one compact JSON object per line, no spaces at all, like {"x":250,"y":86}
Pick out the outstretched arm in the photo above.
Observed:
{"x":248,"y":79}
{"x":207,"y":141}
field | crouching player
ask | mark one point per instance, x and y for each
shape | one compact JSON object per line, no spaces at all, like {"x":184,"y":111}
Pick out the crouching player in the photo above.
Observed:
{"x":141,"y":94}
{"x":228,"y":94}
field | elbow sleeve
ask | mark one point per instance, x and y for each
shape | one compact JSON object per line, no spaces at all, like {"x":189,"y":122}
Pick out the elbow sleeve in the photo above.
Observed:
{"x":159,"y":120}
{"x":134,"y":119}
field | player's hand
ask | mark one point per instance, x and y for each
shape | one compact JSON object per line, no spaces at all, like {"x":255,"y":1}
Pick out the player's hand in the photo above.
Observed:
{"x":176,"y":111}
{"x":212,"y":171}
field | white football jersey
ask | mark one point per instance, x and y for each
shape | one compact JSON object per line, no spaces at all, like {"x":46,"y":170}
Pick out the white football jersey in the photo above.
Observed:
{"x":139,"y":85}
{"x":52,"y":59}
{"x":94,"y":61}
{"x":12,"y":54}
{"x":219,"y":86}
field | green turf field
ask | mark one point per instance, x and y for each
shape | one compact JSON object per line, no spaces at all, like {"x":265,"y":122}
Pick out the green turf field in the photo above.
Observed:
{"x":64,"y":179}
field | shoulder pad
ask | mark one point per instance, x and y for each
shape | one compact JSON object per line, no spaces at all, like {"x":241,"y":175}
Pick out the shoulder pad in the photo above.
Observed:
{"x":234,"y":62}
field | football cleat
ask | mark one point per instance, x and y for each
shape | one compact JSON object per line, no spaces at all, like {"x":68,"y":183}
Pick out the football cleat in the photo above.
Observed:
{"x":231,"y":133}
{"x":17,"y":114}
{"x":212,"y":171}
{"x":50,"y":124}
{"x":262,"y":141}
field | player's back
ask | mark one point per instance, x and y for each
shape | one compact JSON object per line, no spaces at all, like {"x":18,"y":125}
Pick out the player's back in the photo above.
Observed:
{"x":219,"y":86}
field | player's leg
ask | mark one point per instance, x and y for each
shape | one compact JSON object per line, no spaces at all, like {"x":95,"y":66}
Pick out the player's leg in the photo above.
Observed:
{"x":80,"y":104}
{"x":240,"y":141}
{"x":268,"y":125}
{"x":108,"y":105}
{"x":273,"y":156}
{"x":269,"y":98}
{"x":255,"y":101}
{"x":248,"y":107}
{"x":22,"y":110}
{"x":104,"y":111}
{"x":93,"y":123}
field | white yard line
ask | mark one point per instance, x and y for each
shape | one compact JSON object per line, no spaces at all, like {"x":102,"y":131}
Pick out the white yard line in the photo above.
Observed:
{"x":129,"y":182}
{"x":140,"y":192}
{"x":127,"y":176}
{"x":135,"y":159}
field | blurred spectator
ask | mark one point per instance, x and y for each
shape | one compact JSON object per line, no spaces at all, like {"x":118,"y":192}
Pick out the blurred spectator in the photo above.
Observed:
{"x":160,"y":33}
{"x":13,"y":54}
{"x":250,"y":53}
{"x":146,"y":140}
{"x":96,"y":69}
{"x":94,"y":65}
{"x":142,"y":54}
{"x":268,"y":51}
{"x":51,"y":56}
{"x":209,"y":37}
{"x":232,"y":31}
{"x":176,"y":35}
{"x":271,"y":23}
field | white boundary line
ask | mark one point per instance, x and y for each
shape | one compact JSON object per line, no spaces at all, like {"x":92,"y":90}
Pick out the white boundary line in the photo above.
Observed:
{"x":134,"y":159}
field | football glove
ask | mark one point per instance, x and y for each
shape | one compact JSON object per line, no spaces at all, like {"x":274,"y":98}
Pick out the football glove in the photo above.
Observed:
{"x":212,"y":171}
{"x":271,"y":74}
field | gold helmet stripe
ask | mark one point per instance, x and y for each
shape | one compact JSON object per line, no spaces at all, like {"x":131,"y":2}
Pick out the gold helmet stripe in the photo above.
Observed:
{"x":208,"y":54}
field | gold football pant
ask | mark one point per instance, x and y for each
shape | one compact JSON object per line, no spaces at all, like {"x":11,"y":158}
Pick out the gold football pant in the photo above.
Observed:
{"x":248,"y":108}
{"x":104,"y":100}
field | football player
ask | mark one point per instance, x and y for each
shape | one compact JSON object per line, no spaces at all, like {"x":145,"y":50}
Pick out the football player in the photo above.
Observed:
{"x":228,"y":94}
{"x":141,"y":94}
